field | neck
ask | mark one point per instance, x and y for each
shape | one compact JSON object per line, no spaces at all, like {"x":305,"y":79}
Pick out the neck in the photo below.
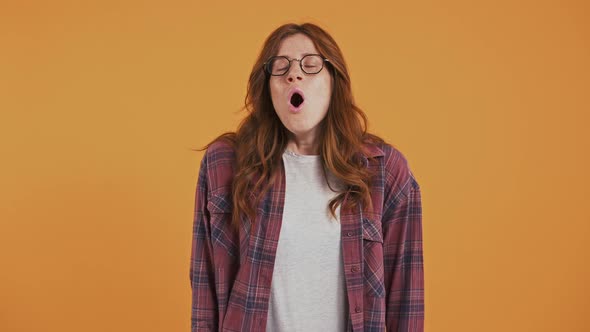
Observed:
{"x":303,"y":147}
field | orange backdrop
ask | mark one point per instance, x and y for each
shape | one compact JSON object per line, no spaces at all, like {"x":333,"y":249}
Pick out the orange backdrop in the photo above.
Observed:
{"x":101,"y":102}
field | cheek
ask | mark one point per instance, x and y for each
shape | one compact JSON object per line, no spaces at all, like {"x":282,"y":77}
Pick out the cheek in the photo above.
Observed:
{"x":271,"y":88}
{"x":326,"y":90}
{"x":274,"y":91}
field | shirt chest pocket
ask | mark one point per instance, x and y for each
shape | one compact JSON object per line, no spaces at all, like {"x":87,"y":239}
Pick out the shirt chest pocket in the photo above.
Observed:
{"x":220,"y":202}
{"x":224,"y":237}
{"x":373,"y":258}
{"x":220,"y":214}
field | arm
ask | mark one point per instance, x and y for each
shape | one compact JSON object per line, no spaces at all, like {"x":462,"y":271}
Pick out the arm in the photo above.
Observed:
{"x":403,"y":258}
{"x":204,"y":303}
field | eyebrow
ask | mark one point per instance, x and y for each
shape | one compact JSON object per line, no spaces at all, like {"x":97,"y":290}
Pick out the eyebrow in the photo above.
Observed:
{"x":302,"y":55}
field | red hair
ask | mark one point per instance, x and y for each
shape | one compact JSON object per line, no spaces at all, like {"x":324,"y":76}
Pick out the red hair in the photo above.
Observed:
{"x":261,"y":138}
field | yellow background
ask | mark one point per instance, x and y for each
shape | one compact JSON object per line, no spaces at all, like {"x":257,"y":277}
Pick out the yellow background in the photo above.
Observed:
{"x":101,"y":102}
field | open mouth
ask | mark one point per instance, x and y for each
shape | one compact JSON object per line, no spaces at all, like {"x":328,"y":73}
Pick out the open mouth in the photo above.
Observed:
{"x":296,"y":99}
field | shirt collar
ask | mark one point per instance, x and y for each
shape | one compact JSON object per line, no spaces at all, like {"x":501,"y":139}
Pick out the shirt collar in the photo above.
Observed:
{"x":373,"y":151}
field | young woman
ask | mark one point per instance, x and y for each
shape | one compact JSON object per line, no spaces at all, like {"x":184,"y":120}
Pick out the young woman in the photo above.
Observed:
{"x":303,"y":220}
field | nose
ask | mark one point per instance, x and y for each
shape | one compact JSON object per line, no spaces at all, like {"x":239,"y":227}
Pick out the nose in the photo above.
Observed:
{"x":294,"y":72}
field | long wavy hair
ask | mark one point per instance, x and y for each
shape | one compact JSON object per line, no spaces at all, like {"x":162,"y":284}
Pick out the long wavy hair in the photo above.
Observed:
{"x":261,"y":138}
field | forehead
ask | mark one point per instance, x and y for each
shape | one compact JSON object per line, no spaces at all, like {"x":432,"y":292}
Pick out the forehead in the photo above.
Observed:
{"x":297,"y":45}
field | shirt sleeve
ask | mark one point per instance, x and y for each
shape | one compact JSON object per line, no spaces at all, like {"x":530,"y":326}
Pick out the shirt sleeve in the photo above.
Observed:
{"x":204,"y":302}
{"x":403,"y":258}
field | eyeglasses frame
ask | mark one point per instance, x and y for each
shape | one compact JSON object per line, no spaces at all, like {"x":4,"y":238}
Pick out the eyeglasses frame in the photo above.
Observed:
{"x":267,"y":62}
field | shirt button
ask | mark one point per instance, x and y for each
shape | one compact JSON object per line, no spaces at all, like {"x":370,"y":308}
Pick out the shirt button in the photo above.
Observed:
{"x":357,"y":309}
{"x":355,"y":268}
{"x":349,"y":234}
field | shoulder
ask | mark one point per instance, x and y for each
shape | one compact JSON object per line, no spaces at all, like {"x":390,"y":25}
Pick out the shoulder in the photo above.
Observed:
{"x":397,"y":170}
{"x":218,"y":164}
{"x":220,"y":151}
{"x":394,"y":159}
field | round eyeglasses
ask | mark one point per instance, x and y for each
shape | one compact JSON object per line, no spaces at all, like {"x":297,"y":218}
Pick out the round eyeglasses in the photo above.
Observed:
{"x":310,"y":64}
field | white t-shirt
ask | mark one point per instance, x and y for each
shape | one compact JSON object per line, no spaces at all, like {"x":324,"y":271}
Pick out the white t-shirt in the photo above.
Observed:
{"x":308,"y":291}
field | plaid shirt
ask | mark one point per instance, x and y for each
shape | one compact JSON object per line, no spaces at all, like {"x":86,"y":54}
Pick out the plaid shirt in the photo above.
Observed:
{"x":231,"y":271}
